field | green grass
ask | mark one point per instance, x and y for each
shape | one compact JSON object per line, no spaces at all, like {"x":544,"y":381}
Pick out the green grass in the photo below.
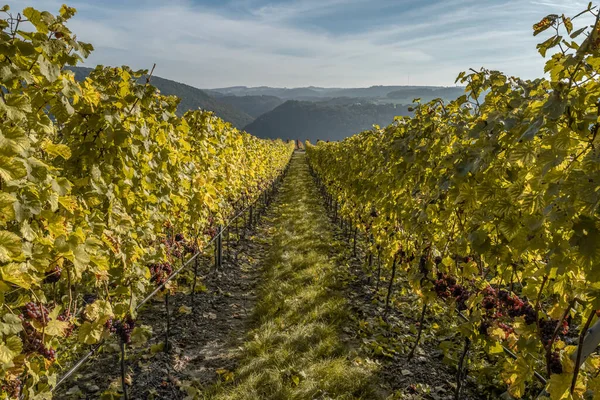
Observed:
{"x":294,"y":351}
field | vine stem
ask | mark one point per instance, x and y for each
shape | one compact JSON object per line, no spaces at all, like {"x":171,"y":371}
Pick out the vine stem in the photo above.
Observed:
{"x":168,"y":322}
{"x":421,"y":322}
{"x":391,"y":285}
{"x":123,"y":383}
{"x":580,"y":349}
{"x":459,"y":374}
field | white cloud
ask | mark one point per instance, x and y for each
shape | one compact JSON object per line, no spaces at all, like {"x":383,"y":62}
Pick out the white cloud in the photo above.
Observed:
{"x":205,"y":47}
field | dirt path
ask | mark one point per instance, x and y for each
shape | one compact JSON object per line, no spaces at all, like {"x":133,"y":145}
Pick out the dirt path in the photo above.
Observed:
{"x":295,"y":350}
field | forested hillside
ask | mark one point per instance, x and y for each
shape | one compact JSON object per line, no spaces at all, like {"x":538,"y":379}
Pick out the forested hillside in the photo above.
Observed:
{"x":254,"y":106}
{"x":324,"y":121}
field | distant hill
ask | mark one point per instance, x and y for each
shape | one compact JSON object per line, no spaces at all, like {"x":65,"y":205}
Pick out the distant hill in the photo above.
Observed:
{"x":326,"y":121}
{"x":379,"y":94}
{"x":252,"y":105}
{"x":191,"y":98}
{"x":407,"y":95}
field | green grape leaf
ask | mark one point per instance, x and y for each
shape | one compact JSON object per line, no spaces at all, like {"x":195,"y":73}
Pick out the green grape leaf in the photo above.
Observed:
{"x":10,"y":246}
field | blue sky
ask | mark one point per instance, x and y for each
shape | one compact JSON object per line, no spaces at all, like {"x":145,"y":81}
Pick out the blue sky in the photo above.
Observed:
{"x":333,"y":43}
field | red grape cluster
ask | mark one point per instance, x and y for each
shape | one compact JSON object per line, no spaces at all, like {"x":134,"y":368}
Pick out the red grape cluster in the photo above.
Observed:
{"x":211,"y":231}
{"x":12,"y":388}
{"x":160,"y":272}
{"x":515,"y":307}
{"x":36,"y":312}
{"x":122,"y":328}
{"x":34,"y":342}
{"x":484,"y":326}
{"x":547,"y":328}
{"x":90,"y":298}
{"x":490,"y":299}
{"x":53,"y":275}
{"x":446,"y":287}
{"x":554,"y":363}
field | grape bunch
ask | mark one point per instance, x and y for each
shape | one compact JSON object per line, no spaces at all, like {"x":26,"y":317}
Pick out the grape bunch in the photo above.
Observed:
{"x":441,"y":288}
{"x":483,"y":327}
{"x":110,"y":326}
{"x":515,"y":307}
{"x":446,"y":286}
{"x":210,"y":231}
{"x":53,"y":275}
{"x":160,"y":272}
{"x":547,"y":328}
{"x":34,"y":343}
{"x":490,"y":299}
{"x":554,"y":363}
{"x":122,"y":328}
{"x":461,"y":295}
{"x":12,"y":388}
{"x":90,"y":298}
{"x":190,"y":247}
{"x":36,"y":312}
{"x":48,"y":353}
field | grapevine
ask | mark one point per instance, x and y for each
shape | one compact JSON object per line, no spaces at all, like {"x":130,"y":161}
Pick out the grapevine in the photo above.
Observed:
{"x":495,"y":198}
{"x":99,"y":180}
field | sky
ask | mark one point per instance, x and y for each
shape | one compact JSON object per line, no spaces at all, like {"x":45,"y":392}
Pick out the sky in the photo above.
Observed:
{"x":298,"y":43}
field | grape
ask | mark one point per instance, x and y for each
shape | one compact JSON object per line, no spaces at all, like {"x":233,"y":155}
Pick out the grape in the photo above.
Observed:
{"x":461,"y":295}
{"x":48,"y":353}
{"x":441,"y":288}
{"x":160,"y":273}
{"x":33,"y":342}
{"x":547,"y":328}
{"x":555,"y":364}
{"x":89,"y":298}
{"x":530,"y":314}
{"x":490,"y":291}
{"x":489,"y":302}
{"x":12,"y":388}
{"x":483,"y":327}
{"x":125,"y":328}
{"x":53,"y":275}
{"x":190,"y":248}
{"x":36,"y":312}
{"x":109,"y":325}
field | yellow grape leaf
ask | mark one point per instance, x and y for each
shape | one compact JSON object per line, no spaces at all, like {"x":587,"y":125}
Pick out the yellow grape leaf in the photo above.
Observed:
{"x":10,"y":246}
{"x":15,"y":274}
